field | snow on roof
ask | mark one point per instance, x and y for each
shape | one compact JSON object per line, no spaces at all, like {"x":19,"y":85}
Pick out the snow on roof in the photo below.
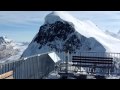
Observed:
{"x":54,"y":57}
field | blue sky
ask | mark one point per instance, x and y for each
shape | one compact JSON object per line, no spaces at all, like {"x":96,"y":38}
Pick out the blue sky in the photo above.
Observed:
{"x":24,"y":25}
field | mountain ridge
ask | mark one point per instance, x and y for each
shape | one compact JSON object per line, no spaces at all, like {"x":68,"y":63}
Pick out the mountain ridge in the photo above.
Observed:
{"x":61,"y":32}
{"x":10,"y":50}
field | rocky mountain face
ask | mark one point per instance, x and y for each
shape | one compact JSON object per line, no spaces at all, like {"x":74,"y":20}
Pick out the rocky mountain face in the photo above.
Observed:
{"x":60,"y":36}
{"x":7,"y":48}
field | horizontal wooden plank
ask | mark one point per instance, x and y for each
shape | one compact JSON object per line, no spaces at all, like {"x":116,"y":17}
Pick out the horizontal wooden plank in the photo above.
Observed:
{"x":91,"y":66}
{"x":109,"y":61}
{"x":88,"y":59}
{"x":92,"y":57}
{"x":10,"y":77}
{"x":85,"y":59}
{"x":94,"y":62}
{"x":5,"y":75}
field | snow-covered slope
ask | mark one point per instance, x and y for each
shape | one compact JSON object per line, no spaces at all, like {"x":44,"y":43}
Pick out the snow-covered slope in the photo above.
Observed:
{"x":21,"y":46}
{"x":118,"y":34}
{"x":115,"y":35}
{"x":10,"y":50}
{"x":61,"y":32}
{"x":111,"y":33}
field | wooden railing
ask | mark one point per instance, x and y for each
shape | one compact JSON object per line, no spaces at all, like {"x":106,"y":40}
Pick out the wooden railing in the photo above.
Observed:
{"x":6,"y":75}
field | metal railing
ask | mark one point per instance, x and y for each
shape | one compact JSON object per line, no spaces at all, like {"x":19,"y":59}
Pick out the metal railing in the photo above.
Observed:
{"x":115,"y":71}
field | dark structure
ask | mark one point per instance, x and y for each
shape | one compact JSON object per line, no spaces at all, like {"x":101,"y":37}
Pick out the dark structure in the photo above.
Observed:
{"x":94,"y":64}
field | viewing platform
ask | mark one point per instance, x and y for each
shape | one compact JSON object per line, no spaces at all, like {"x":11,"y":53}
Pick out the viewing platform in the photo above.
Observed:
{"x":84,"y":65}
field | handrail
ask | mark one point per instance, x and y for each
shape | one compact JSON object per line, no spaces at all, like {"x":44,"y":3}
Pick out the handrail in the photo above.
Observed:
{"x":5,"y":75}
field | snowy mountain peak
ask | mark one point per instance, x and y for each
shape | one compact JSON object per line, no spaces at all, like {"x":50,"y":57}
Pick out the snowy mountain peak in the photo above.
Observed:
{"x":11,"y":50}
{"x":58,"y":12}
{"x":2,"y":40}
{"x":5,"y":40}
{"x":59,"y":16}
{"x":62,"y":32}
{"x":52,"y":18}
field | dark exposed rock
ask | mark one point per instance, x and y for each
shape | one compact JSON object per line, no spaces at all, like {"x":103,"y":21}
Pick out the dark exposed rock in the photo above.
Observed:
{"x":51,"y":32}
{"x":65,"y":33}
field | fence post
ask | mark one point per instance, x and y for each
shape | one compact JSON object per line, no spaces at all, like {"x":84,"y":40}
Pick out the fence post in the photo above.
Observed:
{"x":67,"y":62}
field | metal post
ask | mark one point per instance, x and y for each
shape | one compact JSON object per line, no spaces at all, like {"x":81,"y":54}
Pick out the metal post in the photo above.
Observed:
{"x":66,"y":62}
